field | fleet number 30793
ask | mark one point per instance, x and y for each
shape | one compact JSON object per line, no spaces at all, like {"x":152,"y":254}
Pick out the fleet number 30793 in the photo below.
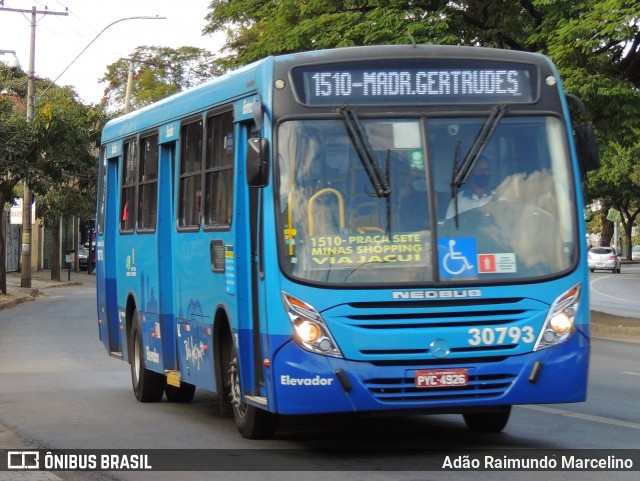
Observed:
{"x":491,"y":336}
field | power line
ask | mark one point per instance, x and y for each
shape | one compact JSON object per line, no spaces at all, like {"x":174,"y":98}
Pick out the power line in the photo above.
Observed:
{"x":142,"y":17}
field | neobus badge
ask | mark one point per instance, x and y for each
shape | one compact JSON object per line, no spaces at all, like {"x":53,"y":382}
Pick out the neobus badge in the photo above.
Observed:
{"x":437,"y":294}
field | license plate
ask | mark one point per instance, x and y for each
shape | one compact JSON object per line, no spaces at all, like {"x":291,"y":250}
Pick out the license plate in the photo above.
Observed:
{"x":433,"y":378}
{"x":600,"y":264}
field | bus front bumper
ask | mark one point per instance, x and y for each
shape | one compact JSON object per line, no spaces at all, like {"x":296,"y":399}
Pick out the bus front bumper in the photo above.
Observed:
{"x":307,"y":383}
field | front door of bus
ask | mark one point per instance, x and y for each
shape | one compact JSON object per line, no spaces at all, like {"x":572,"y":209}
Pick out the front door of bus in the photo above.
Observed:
{"x":105,"y":264}
{"x":258,"y":296}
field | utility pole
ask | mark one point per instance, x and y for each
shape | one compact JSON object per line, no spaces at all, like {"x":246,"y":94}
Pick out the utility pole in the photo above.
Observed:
{"x":25,"y":273}
{"x":127,"y":95}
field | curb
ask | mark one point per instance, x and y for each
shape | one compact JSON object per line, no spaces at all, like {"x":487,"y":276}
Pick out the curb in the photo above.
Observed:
{"x":31,"y":293}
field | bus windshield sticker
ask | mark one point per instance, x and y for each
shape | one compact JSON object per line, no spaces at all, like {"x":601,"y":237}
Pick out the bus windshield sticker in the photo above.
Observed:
{"x":457,"y":257}
{"x":499,"y":263}
{"x":361,"y":249}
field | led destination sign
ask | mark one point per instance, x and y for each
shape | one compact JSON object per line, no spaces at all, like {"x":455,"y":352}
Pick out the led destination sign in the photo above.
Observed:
{"x":336,"y":85}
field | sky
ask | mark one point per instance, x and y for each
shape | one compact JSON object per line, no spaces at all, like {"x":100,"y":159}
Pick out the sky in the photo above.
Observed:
{"x":59,"y":39}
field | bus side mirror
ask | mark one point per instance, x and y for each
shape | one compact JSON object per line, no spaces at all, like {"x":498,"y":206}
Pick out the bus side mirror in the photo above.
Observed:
{"x":587,"y":148}
{"x":585,"y":139}
{"x":257,"y":162}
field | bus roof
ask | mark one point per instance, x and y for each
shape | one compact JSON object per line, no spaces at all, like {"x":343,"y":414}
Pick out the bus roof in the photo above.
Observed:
{"x":226,"y":87}
{"x":408,"y":51}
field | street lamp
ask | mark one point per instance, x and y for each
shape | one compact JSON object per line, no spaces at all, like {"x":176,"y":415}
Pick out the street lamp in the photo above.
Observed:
{"x":12,"y":63}
{"x":143,"y":17}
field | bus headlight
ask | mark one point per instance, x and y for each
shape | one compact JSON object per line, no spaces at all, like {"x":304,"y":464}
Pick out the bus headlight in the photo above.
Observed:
{"x":310,"y":330}
{"x":560,"y":322}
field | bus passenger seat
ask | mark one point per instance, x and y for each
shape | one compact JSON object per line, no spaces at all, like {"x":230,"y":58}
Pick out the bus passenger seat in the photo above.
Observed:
{"x":365,"y":219}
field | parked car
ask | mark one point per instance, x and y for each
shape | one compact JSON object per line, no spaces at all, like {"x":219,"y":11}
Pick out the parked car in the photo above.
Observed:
{"x":83,"y":258}
{"x":635,"y":253}
{"x":604,"y":258}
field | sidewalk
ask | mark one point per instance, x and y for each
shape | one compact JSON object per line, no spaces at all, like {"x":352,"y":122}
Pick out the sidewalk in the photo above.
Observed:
{"x":40,"y":282}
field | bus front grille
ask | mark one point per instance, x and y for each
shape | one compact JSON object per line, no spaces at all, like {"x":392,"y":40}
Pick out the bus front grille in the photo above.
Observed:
{"x":381,"y":332}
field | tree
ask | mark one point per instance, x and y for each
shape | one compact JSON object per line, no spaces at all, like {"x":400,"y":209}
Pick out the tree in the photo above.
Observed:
{"x":15,"y":140}
{"x":158,"y":72}
{"x":72,"y":133}
{"x":617,"y":185}
{"x":48,"y":152}
{"x":76,"y":195}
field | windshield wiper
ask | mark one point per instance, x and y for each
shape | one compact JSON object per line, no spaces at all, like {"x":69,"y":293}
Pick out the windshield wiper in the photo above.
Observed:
{"x":365,"y":152}
{"x":461,"y":173}
{"x":454,"y":186}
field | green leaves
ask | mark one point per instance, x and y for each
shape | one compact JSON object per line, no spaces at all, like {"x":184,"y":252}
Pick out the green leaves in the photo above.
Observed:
{"x":54,"y":153}
{"x":157,"y":73}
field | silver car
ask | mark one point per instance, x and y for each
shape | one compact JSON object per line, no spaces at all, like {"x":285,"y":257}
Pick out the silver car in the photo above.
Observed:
{"x":604,"y":258}
{"x":83,"y":258}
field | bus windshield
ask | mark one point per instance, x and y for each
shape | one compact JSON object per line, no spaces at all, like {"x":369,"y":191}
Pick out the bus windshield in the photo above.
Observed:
{"x":382,"y":207}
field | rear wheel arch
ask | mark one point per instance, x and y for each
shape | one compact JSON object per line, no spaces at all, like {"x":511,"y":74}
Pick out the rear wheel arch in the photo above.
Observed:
{"x":221,"y":335}
{"x":130,"y":309}
{"x":148,"y":385}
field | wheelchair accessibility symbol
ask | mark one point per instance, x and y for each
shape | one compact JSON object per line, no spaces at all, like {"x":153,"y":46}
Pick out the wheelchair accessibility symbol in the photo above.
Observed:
{"x":457,"y":257}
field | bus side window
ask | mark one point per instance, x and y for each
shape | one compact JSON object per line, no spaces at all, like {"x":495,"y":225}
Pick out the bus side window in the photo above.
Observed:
{"x":190,"y":189}
{"x":128,"y":192}
{"x":219,"y":169}
{"x":148,"y":188}
{"x":126,"y":215}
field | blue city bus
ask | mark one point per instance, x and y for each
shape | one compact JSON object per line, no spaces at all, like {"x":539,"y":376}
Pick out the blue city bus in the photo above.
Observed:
{"x":358,"y":230}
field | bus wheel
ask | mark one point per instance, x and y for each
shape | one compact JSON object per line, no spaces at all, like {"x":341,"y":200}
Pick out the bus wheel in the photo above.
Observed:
{"x":182,"y":394}
{"x":252,"y":422}
{"x":489,"y":422}
{"x":148,"y":386}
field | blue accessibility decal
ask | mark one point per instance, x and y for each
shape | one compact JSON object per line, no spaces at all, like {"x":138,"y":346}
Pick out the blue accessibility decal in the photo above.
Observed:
{"x":457,"y":257}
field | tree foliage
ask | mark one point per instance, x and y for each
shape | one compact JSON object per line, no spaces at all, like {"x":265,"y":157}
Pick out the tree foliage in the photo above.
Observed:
{"x":53,"y":153}
{"x":157,"y":73}
{"x":617,"y":185}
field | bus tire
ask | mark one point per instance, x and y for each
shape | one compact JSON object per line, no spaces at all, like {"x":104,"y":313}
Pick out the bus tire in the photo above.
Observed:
{"x":252,"y":422}
{"x":148,"y":386}
{"x":182,"y":394}
{"x":488,"y":422}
